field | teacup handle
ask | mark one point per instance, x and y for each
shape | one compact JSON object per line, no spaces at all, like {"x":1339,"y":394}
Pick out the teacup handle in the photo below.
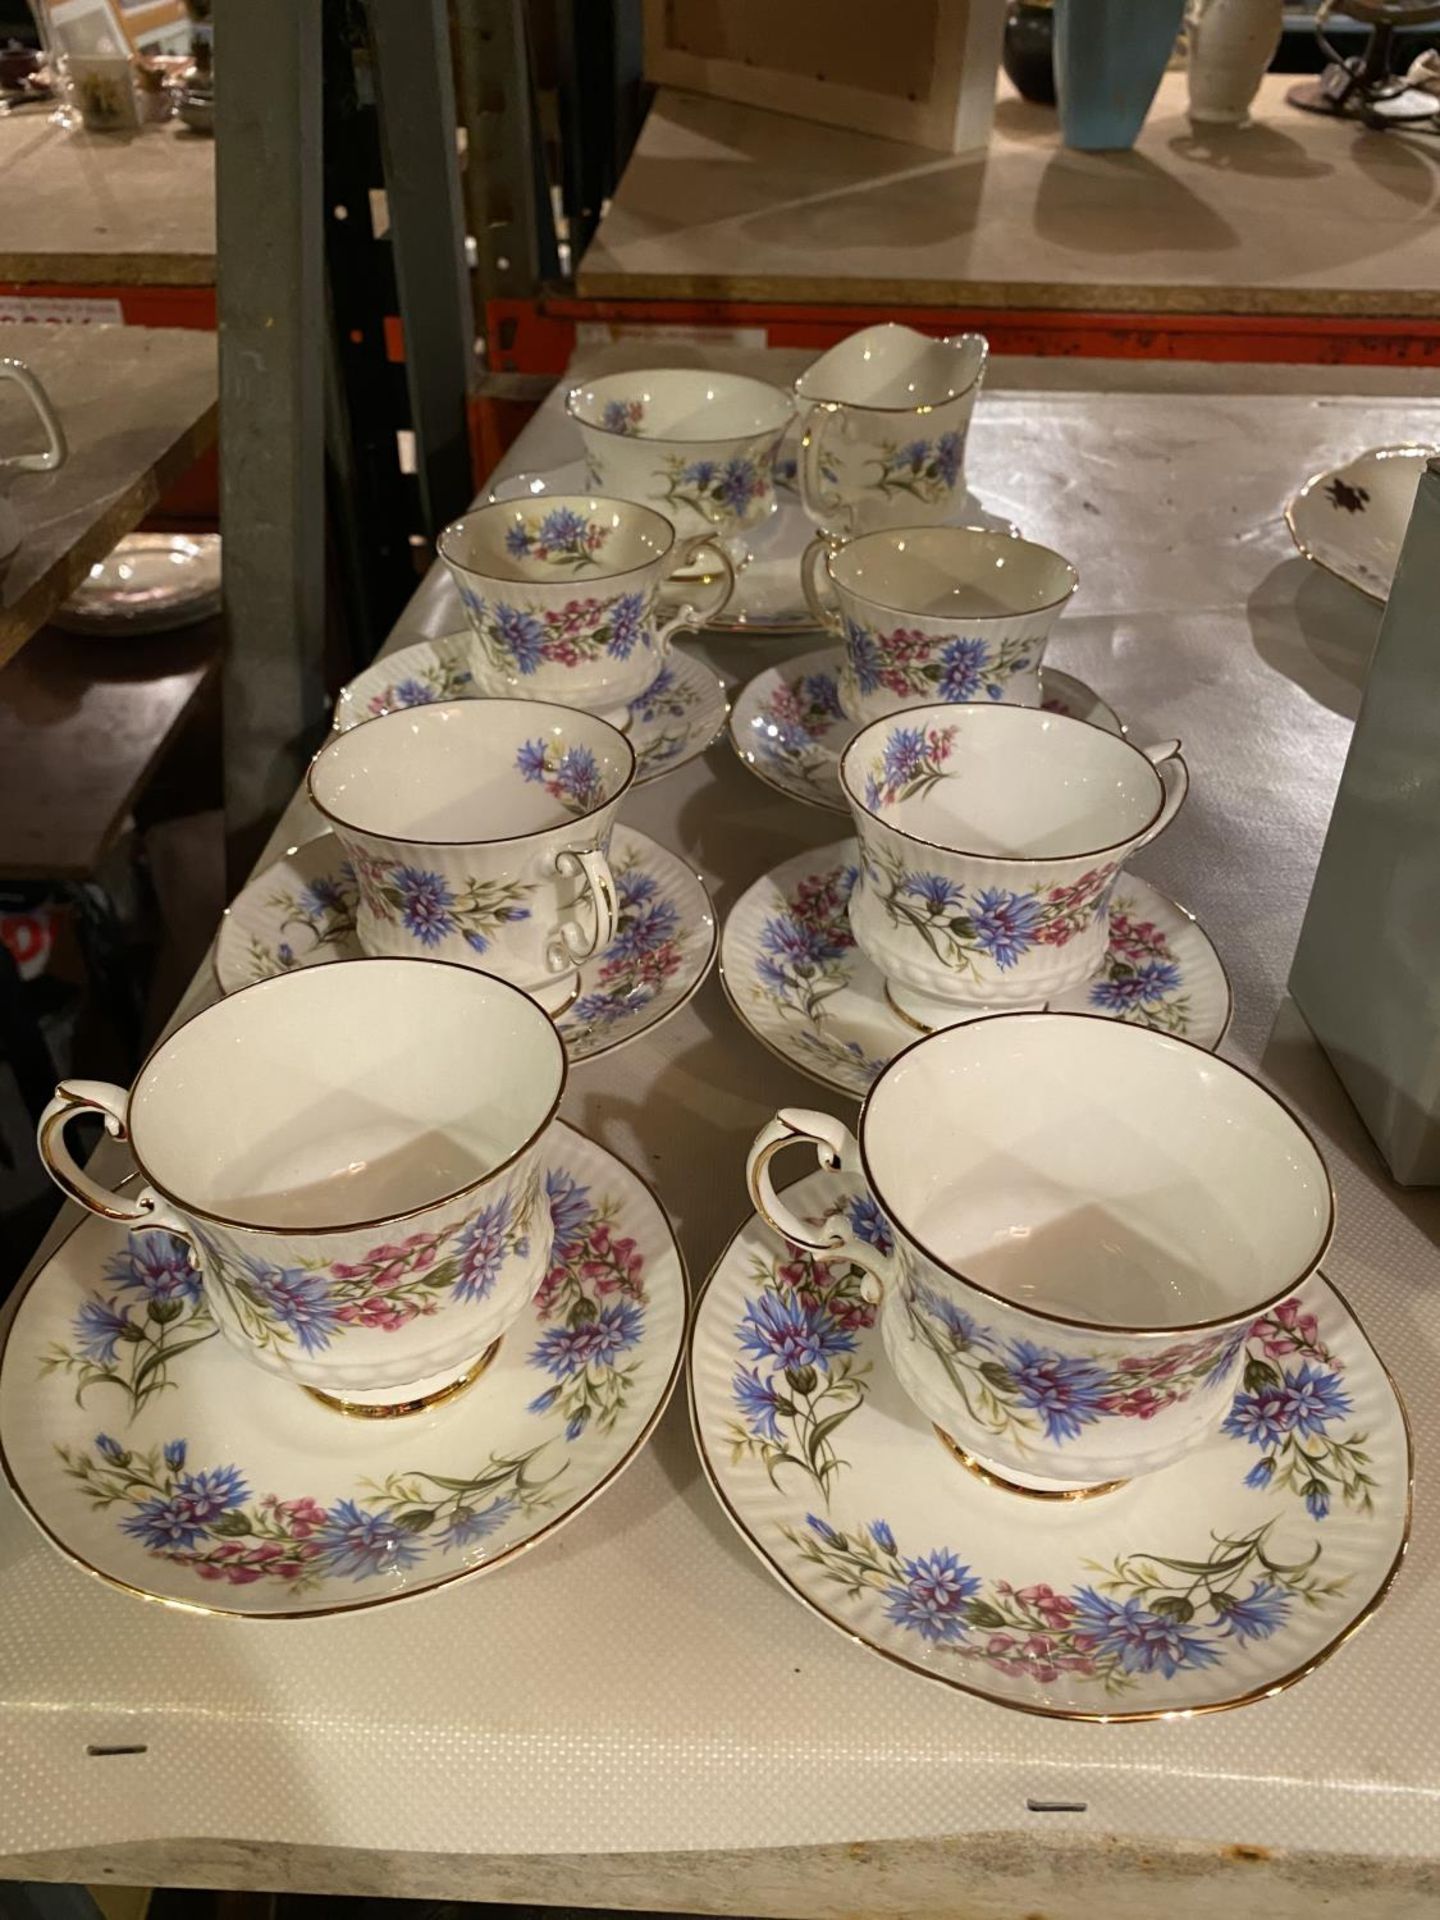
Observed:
{"x":571,"y":943}
{"x":143,"y":1208}
{"x":820,"y":548}
{"x":692,"y":617}
{"x":825,"y":506}
{"x":1175,"y":778}
{"x":837,"y":1150}
{"x":56,"y":450}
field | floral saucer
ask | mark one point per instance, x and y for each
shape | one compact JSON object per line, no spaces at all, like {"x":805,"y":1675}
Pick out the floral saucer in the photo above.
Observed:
{"x":768,"y":598}
{"x":1352,"y":519}
{"x":788,"y":726}
{"x":796,"y":978}
{"x":1216,"y":1582}
{"x":676,"y":717}
{"x":300,"y":912}
{"x":153,"y":1453}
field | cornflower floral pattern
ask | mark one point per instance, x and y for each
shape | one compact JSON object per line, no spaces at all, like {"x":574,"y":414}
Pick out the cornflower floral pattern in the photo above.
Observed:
{"x":309,"y":917}
{"x":913,"y":664}
{"x":569,"y":774}
{"x":561,"y":538}
{"x":147,"y":1310}
{"x":623,"y":416}
{"x":1144,"y":1616}
{"x":965,"y":926}
{"x":1293,"y":1395}
{"x":910,"y":763}
{"x":727,"y":493}
{"x":1140,"y":979}
{"x":927,"y":470}
{"x":522,"y":639}
{"x":439,"y":678}
{"x":594,"y":1293}
{"x":805,"y":955}
{"x":430,"y":908}
{"x":646,"y":951}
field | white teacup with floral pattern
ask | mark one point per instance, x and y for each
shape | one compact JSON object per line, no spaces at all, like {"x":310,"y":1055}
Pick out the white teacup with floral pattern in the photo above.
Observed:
{"x":991,"y":838}
{"x":354,"y":1153}
{"x":564,"y":597}
{"x":698,"y":445}
{"x":1074,"y":1223}
{"x":937,"y":613}
{"x":479,"y":831}
{"x":884,"y":416}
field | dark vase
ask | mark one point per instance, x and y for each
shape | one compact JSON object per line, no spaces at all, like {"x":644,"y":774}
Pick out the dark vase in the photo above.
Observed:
{"x":1109,"y":56}
{"x":1029,"y":51}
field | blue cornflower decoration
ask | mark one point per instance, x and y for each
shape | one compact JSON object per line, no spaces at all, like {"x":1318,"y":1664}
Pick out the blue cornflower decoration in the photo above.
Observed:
{"x":517,"y":540}
{"x":175,"y":1455}
{"x":164,"y":1526}
{"x":1314,"y":1397}
{"x":627,"y":625}
{"x":782,"y":1327}
{"x":866,"y":660}
{"x":882,"y":1536}
{"x":1142,"y":988}
{"x":934,"y":891}
{"x":155,"y":1264}
{"x":1263,"y":1417}
{"x":700,"y":473}
{"x":99,"y":1326}
{"x":1261,"y":1613}
{"x":205,"y":1496}
{"x":570,"y":1208}
{"x":963,"y":1331}
{"x":300,"y":1301}
{"x":1317,"y":1499}
{"x":566,"y":1351}
{"x":800,"y":944}
{"x":932,"y":1600}
{"x":322,"y":896}
{"x":1005,"y":923}
{"x":577,"y":774}
{"x":869,"y":1224}
{"x":620,"y":415}
{"x":111,"y":1449}
{"x":904,"y":755}
{"x":913,"y":454}
{"x":562,"y":527}
{"x":466,"y":1526}
{"x":1066,"y":1392}
{"x":604,"y":1009}
{"x":824,"y":1530}
{"x":425,"y":904}
{"x":947,"y":458}
{"x":647,"y":932}
{"x":739,"y":484}
{"x":480,"y":1251}
{"x":1261,"y":1474}
{"x":822,"y":693}
{"x":758,"y":1401}
{"x":962,"y":669}
{"x":530,"y":759}
{"x":1139,"y":1640}
{"x":634,"y":887}
{"x":359,"y":1544}
{"x":522,"y":635}
{"x":872,"y":793}
{"x":656,"y":696}
{"x":413,"y":693}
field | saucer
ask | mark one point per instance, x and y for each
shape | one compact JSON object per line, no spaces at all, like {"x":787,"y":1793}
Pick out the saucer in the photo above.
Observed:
{"x":300,"y":912}
{"x":147,"y":583}
{"x":788,"y":727}
{"x":796,"y":978}
{"x":1352,"y":519}
{"x":1213,"y":1583}
{"x":153,"y":1453}
{"x":768,"y":597}
{"x":676,"y":717}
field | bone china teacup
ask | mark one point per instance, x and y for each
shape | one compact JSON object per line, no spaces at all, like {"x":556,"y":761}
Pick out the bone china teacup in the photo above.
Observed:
{"x":479,"y":832}
{"x":991,"y":838}
{"x":937,"y":613}
{"x":1078,"y":1222}
{"x":698,"y":445}
{"x":884,"y":415}
{"x":355,"y":1155}
{"x":563,"y":596}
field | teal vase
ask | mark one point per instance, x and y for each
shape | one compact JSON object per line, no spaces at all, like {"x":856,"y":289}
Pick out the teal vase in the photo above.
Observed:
{"x":1109,"y":56}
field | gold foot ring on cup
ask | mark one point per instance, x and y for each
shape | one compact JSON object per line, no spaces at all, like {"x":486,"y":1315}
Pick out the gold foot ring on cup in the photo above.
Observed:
{"x":398,"y":1409}
{"x":993,"y":1479}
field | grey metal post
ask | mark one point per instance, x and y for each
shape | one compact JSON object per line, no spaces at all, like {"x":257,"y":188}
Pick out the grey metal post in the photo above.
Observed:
{"x":415,"y":98}
{"x":272,"y":377}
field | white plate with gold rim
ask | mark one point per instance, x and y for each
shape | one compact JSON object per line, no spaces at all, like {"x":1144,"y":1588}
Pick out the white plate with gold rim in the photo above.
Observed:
{"x":676,"y":717}
{"x":154,"y":1454}
{"x":797,"y":980}
{"x":300,"y":912}
{"x":1351,"y":519}
{"x":1211,"y":1584}
{"x":789,"y":728}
